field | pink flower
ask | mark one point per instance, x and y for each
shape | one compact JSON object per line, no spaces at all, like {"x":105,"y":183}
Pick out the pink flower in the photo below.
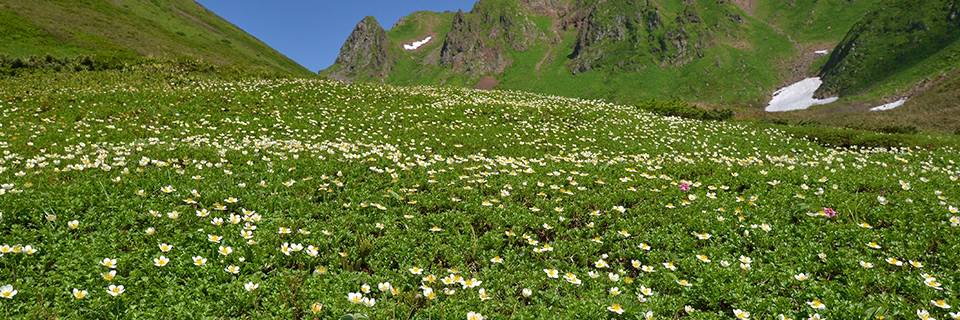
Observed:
{"x":684,"y":186}
{"x":830,"y":213}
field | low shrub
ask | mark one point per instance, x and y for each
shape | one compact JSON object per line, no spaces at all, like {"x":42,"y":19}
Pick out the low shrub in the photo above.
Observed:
{"x":679,"y":108}
{"x":898,"y":129}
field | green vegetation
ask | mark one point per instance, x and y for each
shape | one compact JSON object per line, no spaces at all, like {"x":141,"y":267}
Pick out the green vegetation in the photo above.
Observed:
{"x":813,"y":22}
{"x":229,"y":195}
{"x":678,"y":108}
{"x":125,"y":30}
{"x":744,"y":49}
{"x":892,"y":37}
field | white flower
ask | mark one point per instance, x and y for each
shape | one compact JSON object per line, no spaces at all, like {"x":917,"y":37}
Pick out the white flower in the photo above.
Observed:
{"x":616,"y":308}
{"x":552,"y":273}
{"x":355,"y":297}
{"x":250,"y":286}
{"x":7,"y":292}
{"x":816,"y":304}
{"x":475,"y":316}
{"x":109,"y":263}
{"x":940,"y":304}
{"x":740,"y":314}
{"x":526,"y":292}
{"x":161,"y":261}
{"x":79,"y":294}
{"x":115,"y":290}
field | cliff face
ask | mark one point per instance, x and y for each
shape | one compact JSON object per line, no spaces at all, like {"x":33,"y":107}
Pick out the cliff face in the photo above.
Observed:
{"x":894,"y":36}
{"x":477,"y":42}
{"x":722,"y":52}
{"x":628,"y":34}
{"x":367,"y":53}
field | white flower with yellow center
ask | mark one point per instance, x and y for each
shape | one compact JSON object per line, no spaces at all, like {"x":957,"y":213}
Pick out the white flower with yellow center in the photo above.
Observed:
{"x":79,"y":294}
{"x":115,"y":290}
{"x":552,"y":273}
{"x":7,"y":291}
{"x":161,"y":261}
{"x":740,"y":314}
{"x":940,"y":304}
{"x":355,"y":297}
{"x":109,"y":263}
{"x":816,"y":304}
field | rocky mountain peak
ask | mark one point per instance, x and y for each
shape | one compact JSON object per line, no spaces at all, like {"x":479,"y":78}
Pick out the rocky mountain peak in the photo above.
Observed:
{"x":367,"y":53}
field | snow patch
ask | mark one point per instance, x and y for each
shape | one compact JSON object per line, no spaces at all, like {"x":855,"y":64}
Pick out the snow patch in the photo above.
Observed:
{"x":797,"y":96}
{"x":889,"y":105}
{"x":416,"y":44}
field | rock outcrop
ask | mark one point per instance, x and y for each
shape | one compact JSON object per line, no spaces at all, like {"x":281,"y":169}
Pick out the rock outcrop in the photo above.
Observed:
{"x":477,"y":42}
{"x":367,"y":53}
{"x":626,"y":34}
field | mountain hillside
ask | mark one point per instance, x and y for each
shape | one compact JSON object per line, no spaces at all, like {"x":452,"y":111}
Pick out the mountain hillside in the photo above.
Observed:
{"x":886,"y":43}
{"x":711,"y":53}
{"x":128,"y":29}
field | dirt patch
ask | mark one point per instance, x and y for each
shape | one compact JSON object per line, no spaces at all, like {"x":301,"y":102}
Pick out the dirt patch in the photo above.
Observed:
{"x":204,"y":24}
{"x":746,"y":5}
{"x":486,"y":83}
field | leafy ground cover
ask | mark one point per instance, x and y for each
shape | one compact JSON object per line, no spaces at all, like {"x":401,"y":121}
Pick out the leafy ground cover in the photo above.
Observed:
{"x":145,"y":194}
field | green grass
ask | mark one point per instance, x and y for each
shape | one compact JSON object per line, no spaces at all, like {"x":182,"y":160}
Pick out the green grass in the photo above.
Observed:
{"x":814,"y":21}
{"x":156,"y":28}
{"x":544,"y":182}
{"x":897,"y":37}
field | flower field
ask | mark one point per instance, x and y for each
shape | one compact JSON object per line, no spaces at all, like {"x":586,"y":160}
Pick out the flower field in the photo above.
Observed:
{"x":131,"y":195}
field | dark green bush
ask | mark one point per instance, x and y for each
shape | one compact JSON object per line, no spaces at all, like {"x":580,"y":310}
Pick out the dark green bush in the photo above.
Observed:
{"x":13,"y":66}
{"x":898,"y":129}
{"x":679,"y":108}
{"x":777,"y":121}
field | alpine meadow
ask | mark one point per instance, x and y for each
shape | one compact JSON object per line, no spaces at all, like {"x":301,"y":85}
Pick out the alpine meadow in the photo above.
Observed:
{"x":228,"y":184}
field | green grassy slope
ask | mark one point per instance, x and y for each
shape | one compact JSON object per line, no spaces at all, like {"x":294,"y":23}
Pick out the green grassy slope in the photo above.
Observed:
{"x":893,"y":37}
{"x":132,"y":28}
{"x":322,"y":189}
{"x":813,"y":22}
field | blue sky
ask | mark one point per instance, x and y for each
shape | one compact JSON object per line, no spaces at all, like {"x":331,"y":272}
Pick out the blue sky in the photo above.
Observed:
{"x":311,"y":32}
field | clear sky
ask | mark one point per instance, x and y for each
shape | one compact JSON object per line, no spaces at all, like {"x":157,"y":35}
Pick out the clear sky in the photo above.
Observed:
{"x":311,"y":32}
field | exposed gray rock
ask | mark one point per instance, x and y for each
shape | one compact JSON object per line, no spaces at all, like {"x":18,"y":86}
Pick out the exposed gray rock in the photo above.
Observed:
{"x":367,"y":53}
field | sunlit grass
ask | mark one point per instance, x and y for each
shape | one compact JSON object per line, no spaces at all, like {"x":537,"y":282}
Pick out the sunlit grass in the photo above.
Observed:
{"x":140,"y":195}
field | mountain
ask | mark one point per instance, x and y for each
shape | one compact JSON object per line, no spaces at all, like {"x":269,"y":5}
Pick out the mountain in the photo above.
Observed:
{"x":886,"y":43}
{"x":366,"y":53}
{"x":129,"y":29}
{"x":712,"y":53}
